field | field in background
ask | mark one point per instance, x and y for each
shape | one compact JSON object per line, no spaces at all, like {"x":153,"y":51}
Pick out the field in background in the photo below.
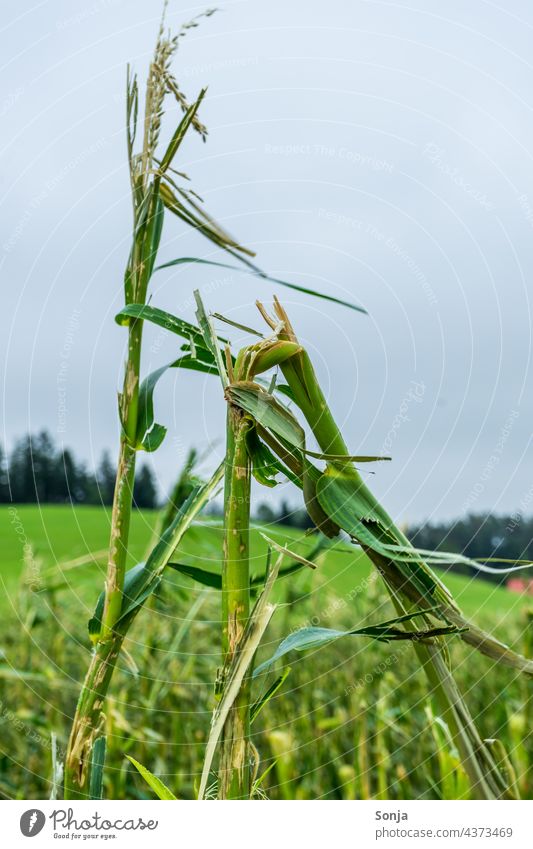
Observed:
{"x":344,"y":727}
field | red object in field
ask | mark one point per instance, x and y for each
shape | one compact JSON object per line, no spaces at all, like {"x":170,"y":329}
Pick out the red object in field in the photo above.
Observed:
{"x":519,"y":585}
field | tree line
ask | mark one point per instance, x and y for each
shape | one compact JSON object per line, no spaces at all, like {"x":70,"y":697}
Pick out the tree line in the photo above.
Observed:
{"x":480,"y":536}
{"x":37,"y":471}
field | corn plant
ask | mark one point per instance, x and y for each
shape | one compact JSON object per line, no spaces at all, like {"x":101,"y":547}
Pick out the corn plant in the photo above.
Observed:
{"x":156,"y":186}
{"x":264,"y":437}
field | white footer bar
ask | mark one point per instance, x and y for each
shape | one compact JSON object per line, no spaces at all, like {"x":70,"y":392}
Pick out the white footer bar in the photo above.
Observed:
{"x":268,"y":825}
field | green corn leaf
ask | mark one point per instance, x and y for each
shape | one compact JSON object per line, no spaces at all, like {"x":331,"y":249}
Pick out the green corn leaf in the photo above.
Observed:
{"x":136,"y":590}
{"x":256,"y":272}
{"x":214,"y":580}
{"x":259,"y":781}
{"x":236,"y":324}
{"x":180,"y":132}
{"x":149,"y":434}
{"x":210,"y":338}
{"x":281,"y":467}
{"x":197,"y":218}
{"x":349,"y":458}
{"x":154,"y":228}
{"x":306,"y":638}
{"x":97,"y":768}
{"x":313,"y":638}
{"x":264,"y":465}
{"x":195,"y":364}
{"x":270,"y":413}
{"x":144,"y":578}
{"x":163,"y":551}
{"x":201,"y":576}
{"x":154,"y":438}
{"x":286,"y":390}
{"x":167,"y":321}
{"x":146,"y":590}
{"x":160,"y":789}
{"x":348,"y":503}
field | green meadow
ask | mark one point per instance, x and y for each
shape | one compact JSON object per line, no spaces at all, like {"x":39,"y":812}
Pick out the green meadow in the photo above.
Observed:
{"x":352,"y":720}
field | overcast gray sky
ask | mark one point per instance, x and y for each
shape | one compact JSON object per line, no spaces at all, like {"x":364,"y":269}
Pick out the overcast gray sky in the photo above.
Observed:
{"x":381,"y":151}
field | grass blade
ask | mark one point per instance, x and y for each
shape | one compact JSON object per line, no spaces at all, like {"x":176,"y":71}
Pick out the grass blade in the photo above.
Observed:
{"x":160,"y":789}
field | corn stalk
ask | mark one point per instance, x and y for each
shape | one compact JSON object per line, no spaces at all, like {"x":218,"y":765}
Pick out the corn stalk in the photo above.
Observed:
{"x":140,"y":583}
{"x":234,"y":772}
{"x":153,"y":188}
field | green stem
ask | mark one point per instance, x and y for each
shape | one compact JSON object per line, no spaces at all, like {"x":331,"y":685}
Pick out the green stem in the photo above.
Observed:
{"x":123,"y":495}
{"x":89,"y":719}
{"x":88,"y":716}
{"x":234,"y":773}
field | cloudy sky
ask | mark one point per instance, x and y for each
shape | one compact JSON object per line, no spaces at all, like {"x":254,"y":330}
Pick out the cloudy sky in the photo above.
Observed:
{"x":380,"y":151}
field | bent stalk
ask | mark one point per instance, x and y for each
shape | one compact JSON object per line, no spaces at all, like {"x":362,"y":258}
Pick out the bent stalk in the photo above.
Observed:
{"x":487,"y":781}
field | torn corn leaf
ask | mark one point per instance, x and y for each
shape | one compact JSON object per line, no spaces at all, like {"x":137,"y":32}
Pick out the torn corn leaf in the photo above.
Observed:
{"x":348,"y":503}
{"x":268,"y":411}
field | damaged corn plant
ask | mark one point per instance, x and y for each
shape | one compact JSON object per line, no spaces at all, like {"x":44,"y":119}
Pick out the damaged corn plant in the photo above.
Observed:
{"x":267,"y":421}
{"x":157,"y":188}
{"x":266,"y":427}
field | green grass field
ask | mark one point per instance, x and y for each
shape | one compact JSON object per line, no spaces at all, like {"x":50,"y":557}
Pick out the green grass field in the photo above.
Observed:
{"x":58,"y":534}
{"x":354,"y":720}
